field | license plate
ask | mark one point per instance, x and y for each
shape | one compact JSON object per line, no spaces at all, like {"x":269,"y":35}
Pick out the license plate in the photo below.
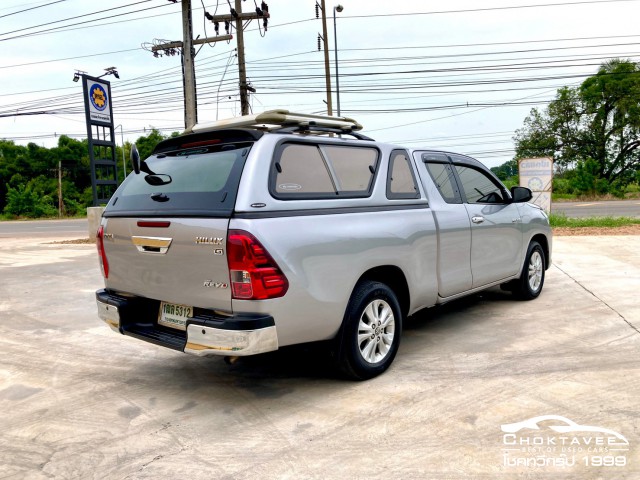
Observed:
{"x":174,"y":316}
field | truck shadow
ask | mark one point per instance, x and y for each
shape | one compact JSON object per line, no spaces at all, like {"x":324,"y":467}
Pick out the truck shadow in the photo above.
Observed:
{"x":458,"y":312}
{"x":313,"y":362}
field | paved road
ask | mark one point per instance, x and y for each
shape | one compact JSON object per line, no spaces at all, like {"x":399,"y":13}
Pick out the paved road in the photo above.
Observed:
{"x":613,"y":208}
{"x":76,"y":228}
{"x":80,"y":401}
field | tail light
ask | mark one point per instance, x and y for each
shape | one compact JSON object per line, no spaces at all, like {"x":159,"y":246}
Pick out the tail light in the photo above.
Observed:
{"x":254,"y":274}
{"x":104,"y":264}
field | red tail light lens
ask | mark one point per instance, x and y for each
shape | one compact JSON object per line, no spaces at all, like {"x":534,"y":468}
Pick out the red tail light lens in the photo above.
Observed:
{"x":254,"y":274}
{"x":104,"y":264}
{"x":142,"y":223}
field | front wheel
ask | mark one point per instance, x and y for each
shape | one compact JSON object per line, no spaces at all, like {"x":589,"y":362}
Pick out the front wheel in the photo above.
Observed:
{"x":530,"y":283}
{"x":370,"y":334}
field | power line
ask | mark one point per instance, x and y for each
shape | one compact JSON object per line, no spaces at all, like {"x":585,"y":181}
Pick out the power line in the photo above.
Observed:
{"x":456,"y":106}
{"x":68,"y":58}
{"x":442,"y":118}
{"x":49,"y":30}
{"x":487,"y":9}
{"x":32,"y":8}
{"x":75,"y":17}
{"x":67,"y":27}
{"x":490,"y":44}
{"x":453,"y":55}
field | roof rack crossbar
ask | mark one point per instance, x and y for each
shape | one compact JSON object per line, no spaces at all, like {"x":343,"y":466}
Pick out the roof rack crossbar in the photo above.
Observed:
{"x":315,"y":128}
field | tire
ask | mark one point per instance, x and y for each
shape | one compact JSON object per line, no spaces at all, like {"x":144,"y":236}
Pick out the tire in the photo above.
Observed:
{"x":370,"y":334}
{"x":531,"y":280}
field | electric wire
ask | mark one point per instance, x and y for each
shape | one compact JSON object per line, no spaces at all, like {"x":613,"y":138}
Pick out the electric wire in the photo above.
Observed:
{"x":31,"y":8}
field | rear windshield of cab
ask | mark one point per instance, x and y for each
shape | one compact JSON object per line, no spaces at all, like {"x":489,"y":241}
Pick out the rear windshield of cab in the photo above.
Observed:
{"x":198,"y":181}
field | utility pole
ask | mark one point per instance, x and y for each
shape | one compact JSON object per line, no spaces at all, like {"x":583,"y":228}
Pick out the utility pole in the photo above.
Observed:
{"x":337,"y":8}
{"x":242,"y":71}
{"x":188,"y":65}
{"x":238,"y":18}
{"x":327,"y":71}
{"x":60,"y":205}
{"x":188,"y":69}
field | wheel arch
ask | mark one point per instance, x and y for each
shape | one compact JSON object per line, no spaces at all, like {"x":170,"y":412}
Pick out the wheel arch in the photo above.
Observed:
{"x":395,"y":279}
{"x":544,"y":243}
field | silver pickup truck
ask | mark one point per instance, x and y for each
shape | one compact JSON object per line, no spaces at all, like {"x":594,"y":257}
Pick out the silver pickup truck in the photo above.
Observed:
{"x":246,"y":235}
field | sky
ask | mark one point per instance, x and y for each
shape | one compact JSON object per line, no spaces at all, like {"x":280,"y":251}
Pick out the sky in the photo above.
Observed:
{"x":460,"y":75}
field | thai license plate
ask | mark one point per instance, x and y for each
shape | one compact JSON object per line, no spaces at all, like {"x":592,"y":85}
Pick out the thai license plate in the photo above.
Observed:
{"x":174,"y":316}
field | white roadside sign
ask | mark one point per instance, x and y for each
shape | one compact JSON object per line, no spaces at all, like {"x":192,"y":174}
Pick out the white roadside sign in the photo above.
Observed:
{"x":537,"y":175}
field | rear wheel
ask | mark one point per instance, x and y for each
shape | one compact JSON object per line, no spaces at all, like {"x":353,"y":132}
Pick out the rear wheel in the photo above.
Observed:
{"x":370,"y":334}
{"x":530,"y":283}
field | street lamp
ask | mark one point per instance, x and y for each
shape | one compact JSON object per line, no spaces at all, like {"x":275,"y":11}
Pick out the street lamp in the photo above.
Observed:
{"x":337,"y":8}
{"x":77,"y":75}
{"x":110,"y":71}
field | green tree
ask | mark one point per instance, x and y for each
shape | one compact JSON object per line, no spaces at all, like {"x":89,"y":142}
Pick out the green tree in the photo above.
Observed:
{"x":507,"y":170}
{"x":10,"y":160}
{"x":74,"y":156}
{"x":586,"y":178}
{"x":146,"y":144}
{"x":31,"y":172}
{"x":596,"y":125}
{"x":24,"y":201}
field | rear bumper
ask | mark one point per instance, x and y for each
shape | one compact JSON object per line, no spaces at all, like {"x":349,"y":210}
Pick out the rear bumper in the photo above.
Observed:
{"x":207,"y":333}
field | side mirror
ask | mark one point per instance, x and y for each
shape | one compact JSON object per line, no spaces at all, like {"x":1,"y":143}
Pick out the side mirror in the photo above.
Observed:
{"x":135,"y":159}
{"x":521,"y":194}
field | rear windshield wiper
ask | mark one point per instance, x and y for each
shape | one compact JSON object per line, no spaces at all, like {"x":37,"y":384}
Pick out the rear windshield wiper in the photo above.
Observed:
{"x":157,"y":179}
{"x":159,"y":197}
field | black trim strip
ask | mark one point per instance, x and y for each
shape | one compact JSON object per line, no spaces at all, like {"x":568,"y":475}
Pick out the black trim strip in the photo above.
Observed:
{"x":328,"y":211}
{"x":178,"y":213}
{"x":240,"y":322}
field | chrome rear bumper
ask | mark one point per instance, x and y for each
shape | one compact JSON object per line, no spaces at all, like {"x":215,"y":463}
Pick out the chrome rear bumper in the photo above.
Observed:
{"x":204,"y":341}
{"x":206,"y":333}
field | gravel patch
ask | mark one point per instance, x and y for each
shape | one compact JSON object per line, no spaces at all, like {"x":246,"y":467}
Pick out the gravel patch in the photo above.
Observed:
{"x":584,"y":231}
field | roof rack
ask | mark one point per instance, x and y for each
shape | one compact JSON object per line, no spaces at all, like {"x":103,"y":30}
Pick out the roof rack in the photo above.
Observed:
{"x":278,"y":119}
{"x":316,"y":130}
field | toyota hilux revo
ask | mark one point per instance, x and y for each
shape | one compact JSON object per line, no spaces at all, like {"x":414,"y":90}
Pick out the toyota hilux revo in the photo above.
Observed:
{"x":246,"y":235}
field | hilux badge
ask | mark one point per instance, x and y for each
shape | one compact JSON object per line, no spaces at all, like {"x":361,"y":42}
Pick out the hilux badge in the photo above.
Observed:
{"x":209,"y":241}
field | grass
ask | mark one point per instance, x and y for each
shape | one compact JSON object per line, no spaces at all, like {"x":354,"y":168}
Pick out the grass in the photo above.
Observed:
{"x":9,"y":217}
{"x":631,"y":194}
{"x":602,"y":222}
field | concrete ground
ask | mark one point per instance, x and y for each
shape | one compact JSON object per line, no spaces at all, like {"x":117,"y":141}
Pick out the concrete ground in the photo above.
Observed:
{"x":79,"y":401}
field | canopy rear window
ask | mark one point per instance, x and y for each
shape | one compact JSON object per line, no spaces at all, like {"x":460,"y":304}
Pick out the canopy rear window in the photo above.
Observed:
{"x":199,"y":181}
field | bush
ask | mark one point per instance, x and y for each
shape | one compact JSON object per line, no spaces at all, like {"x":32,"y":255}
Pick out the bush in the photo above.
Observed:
{"x":587,"y":179}
{"x":23,"y":201}
{"x":73,"y":208}
{"x":616,"y":189}
{"x":562,"y":186}
{"x":511,"y":182}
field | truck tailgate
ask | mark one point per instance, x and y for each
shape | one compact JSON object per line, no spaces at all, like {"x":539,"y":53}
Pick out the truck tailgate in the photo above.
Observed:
{"x":177,"y":260}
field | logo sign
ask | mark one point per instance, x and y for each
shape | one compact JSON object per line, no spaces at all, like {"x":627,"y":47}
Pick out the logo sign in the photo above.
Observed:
{"x":553,"y":441}
{"x":537,"y":175}
{"x":98,"y":101}
{"x":290,"y":187}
